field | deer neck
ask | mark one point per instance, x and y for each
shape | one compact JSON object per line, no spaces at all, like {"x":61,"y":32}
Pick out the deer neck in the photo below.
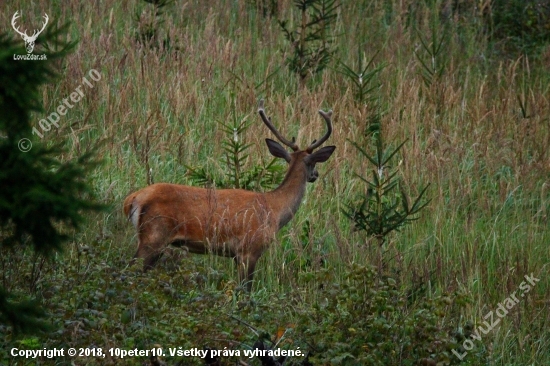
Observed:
{"x":286,"y":199}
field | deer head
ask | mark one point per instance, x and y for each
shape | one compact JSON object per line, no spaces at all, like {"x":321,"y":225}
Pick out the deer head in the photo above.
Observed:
{"x":29,"y":40}
{"x":309,"y":157}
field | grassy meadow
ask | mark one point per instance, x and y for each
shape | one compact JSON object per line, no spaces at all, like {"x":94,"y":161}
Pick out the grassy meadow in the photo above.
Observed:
{"x":477,"y":132}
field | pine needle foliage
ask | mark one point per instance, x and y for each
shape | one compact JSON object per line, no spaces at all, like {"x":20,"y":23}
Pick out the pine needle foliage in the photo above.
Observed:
{"x":149,"y":23}
{"x":311,"y":41}
{"x":237,"y":172}
{"x":42,"y":197}
{"x":364,"y":81}
{"x":385,"y":207}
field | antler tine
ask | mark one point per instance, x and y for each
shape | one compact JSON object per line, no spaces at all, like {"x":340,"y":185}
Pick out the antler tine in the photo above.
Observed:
{"x":267,"y":121}
{"x":13,"y":19}
{"x":327,"y":116}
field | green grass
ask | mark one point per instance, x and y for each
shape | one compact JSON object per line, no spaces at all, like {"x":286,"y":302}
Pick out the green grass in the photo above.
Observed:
{"x":484,"y":230}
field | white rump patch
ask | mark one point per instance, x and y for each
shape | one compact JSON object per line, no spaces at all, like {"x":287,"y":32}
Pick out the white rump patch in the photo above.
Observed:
{"x":134,"y":214}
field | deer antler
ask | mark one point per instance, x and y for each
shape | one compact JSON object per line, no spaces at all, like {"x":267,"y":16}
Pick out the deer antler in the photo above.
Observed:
{"x":315,"y":144}
{"x":267,"y":121}
{"x":24,"y":35}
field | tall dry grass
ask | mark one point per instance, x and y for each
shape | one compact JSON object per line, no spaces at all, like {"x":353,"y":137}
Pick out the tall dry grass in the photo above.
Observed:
{"x":487,"y":159}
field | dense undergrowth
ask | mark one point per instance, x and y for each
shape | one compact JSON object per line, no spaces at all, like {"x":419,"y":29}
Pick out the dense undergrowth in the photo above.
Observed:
{"x":456,"y":80}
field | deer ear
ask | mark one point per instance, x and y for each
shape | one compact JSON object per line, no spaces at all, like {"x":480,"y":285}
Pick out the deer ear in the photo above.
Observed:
{"x":321,"y":155}
{"x":277,"y":150}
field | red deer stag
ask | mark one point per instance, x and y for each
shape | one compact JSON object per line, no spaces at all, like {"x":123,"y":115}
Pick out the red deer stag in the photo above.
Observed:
{"x":227,"y":222}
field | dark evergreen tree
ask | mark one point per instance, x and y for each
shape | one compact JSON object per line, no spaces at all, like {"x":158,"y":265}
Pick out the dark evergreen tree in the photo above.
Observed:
{"x":41,"y":197}
{"x":311,"y":40}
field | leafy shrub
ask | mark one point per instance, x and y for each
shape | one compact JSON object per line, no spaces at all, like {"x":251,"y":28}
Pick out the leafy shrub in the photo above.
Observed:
{"x":366,"y":320}
{"x":512,"y":26}
{"x":520,"y":25}
{"x":358,"y":316}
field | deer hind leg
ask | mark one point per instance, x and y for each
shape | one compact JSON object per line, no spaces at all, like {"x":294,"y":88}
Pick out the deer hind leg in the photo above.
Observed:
{"x":153,"y":239}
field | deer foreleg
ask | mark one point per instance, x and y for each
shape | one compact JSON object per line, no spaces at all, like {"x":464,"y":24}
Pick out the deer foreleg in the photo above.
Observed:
{"x":246,"y":267}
